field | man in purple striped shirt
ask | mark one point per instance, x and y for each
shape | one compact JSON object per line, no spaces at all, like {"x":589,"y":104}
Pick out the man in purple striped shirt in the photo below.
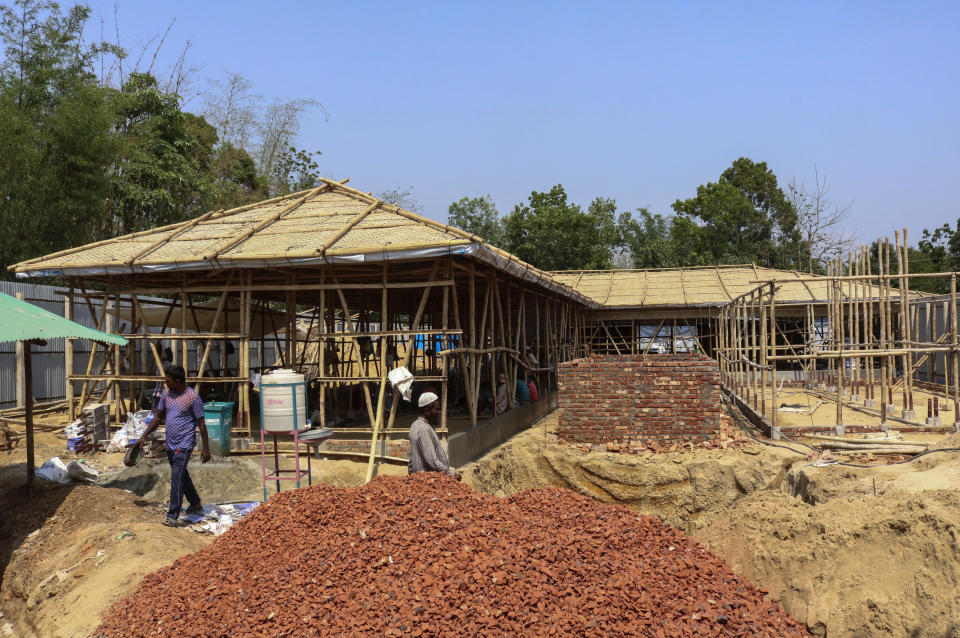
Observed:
{"x":182,"y":410}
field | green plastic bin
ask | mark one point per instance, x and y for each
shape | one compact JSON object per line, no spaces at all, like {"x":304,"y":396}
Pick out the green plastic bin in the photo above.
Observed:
{"x":218,"y":416}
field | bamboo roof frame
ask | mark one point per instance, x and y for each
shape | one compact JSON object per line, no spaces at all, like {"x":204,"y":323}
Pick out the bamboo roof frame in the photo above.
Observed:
{"x":694,"y":286}
{"x":333,"y":223}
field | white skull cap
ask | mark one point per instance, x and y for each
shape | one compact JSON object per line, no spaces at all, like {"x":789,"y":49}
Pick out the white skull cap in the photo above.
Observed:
{"x":426,"y":399}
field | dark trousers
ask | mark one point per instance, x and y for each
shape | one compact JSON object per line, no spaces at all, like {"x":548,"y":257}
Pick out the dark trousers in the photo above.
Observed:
{"x":180,"y":483}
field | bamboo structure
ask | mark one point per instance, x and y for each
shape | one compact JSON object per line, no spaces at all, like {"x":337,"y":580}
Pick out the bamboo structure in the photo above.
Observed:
{"x":868,"y":329}
{"x":342,"y":287}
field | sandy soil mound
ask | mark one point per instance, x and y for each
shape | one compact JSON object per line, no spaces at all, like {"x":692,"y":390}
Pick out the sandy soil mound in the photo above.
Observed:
{"x":67,"y":552}
{"x":426,"y":555}
{"x":685,"y":489}
{"x":884,"y":566}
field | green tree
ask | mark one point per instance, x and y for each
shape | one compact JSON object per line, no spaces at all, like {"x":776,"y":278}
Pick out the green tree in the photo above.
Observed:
{"x":743,"y":217}
{"x":553,"y":234}
{"x":649,"y":240}
{"x":234,"y":179}
{"x":937,"y":251}
{"x":296,"y":170}
{"x":55,"y":123}
{"x":477,"y":215}
{"x":161,"y":175}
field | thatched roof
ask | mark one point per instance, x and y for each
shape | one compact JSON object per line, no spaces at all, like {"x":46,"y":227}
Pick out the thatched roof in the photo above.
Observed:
{"x":330,"y":224}
{"x":696,"y":286}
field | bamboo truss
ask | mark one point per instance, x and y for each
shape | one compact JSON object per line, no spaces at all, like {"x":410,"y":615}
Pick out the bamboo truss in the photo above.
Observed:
{"x":871,"y":346}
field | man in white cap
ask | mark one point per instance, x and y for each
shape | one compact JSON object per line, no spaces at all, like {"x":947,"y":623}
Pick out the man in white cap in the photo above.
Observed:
{"x":426,"y":453}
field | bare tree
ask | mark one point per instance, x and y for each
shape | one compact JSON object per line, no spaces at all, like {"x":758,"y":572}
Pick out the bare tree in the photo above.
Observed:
{"x":820,"y":221}
{"x":402,"y":197}
{"x":279,"y":126}
{"x":231,"y":106}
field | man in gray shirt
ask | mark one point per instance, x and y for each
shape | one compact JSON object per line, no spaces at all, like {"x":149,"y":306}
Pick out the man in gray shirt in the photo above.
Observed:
{"x":426,"y":453}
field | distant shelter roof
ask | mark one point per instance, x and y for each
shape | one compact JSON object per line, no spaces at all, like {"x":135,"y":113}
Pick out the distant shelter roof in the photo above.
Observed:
{"x":701,"y":286}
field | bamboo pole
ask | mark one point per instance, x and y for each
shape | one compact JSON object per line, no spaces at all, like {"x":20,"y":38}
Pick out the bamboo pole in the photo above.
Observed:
{"x":474,"y":373}
{"x":956,"y":361}
{"x":884,"y":400}
{"x":773,"y":367}
{"x":444,"y":362}
{"x":841,"y":372}
{"x":383,"y":382}
{"x":322,"y":354}
{"x":764,"y":348}
{"x":871,"y":380}
{"x":68,"y":357}
{"x":911,"y":332}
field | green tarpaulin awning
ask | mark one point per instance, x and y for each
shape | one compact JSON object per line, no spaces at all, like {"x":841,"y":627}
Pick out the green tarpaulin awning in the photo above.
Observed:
{"x":21,"y":321}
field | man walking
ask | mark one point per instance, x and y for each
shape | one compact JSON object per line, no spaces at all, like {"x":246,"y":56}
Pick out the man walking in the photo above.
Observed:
{"x":182,"y":410}
{"x":426,"y":453}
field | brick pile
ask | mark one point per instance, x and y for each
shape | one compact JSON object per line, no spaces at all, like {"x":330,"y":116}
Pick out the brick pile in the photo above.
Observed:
{"x":425,"y":556}
{"x":660,"y":399}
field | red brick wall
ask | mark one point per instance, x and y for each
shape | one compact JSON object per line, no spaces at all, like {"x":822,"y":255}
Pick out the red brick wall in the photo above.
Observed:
{"x":658,"y":398}
{"x":399,"y":449}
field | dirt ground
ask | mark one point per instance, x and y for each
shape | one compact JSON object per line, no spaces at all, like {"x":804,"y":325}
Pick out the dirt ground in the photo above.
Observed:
{"x":850,"y":551}
{"x":69,"y":551}
{"x":820,"y":408}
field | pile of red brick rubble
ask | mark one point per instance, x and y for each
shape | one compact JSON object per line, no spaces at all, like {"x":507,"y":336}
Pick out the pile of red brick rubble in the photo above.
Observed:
{"x":425,"y":555}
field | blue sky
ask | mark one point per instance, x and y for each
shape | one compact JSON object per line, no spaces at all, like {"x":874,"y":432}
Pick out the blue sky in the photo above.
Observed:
{"x":636,"y":101}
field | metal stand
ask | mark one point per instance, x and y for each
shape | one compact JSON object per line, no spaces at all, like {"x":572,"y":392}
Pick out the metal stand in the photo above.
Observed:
{"x":278,"y":474}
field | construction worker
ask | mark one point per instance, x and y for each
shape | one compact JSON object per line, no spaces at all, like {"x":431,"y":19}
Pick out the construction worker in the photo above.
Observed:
{"x":182,"y":410}
{"x":426,"y":453}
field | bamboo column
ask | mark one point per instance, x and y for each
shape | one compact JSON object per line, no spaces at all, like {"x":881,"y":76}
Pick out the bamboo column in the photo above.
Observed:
{"x":841,"y":344}
{"x":953,"y":353}
{"x":383,"y":374}
{"x":773,"y":367}
{"x":884,"y":378}
{"x":763,"y":348}
{"x":444,"y":361}
{"x":68,"y":357}
{"x":871,"y":400}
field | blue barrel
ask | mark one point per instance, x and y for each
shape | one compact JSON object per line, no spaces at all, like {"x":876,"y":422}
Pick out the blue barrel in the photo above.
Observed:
{"x":218,"y":416}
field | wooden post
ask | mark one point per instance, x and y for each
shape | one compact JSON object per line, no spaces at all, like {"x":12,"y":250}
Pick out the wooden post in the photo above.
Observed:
{"x":19,"y":349}
{"x":27,"y":383}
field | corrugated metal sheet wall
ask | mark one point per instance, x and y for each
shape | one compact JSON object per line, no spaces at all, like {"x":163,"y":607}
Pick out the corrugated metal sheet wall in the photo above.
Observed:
{"x":49,"y":371}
